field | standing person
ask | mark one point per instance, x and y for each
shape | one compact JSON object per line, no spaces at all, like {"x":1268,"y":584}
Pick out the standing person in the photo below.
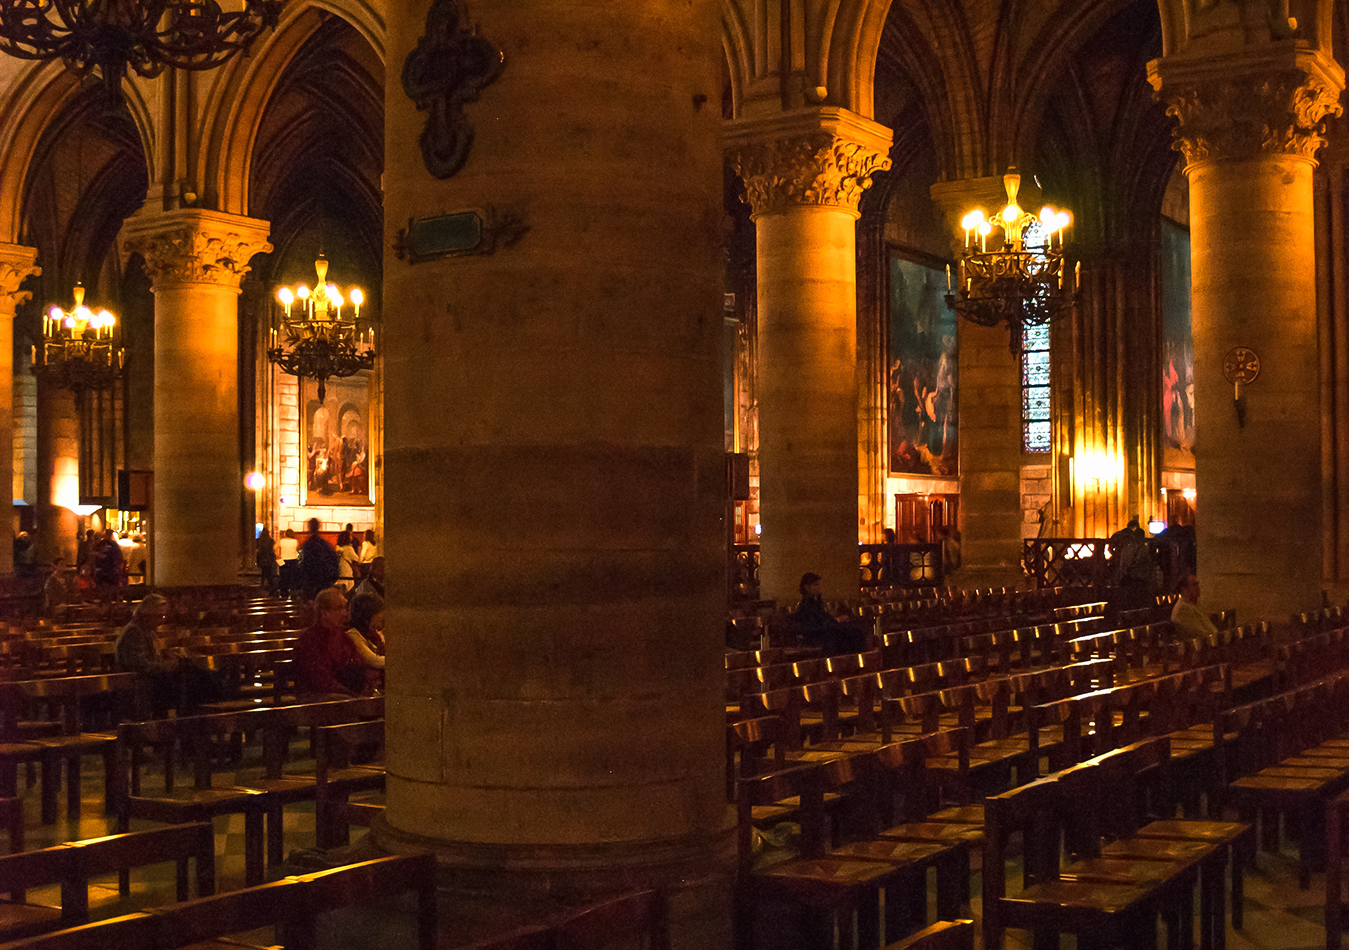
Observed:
{"x":25,"y":553}
{"x":84,"y":548}
{"x":109,"y":564}
{"x":346,"y":561}
{"x":318,"y":563}
{"x":288,"y":550}
{"x":266,"y":558}
{"x":368,"y":549}
{"x":1132,"y":569}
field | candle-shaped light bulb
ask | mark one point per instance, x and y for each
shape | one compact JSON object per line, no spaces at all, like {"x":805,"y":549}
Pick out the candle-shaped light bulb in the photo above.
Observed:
{"x":948,"y":278}
{"x":302,"y":292}
{"x":357,"y":298}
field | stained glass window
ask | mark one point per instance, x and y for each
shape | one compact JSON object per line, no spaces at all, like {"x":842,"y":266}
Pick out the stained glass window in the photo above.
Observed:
{"x":1035,"y":422}
{"x":1036,"y":435}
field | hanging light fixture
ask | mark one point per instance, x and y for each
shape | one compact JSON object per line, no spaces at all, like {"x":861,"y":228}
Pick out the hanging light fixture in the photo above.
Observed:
{"x":142,"y":35}
{"x":79,"y":349}
{"x":1021,"y":282}
{"x":315,"y":338}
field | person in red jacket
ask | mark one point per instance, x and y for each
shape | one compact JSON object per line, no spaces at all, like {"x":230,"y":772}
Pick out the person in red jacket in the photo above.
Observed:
{"x":326,"y":662}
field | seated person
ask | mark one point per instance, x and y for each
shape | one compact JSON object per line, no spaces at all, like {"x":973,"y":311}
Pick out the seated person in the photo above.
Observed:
{"x":822,"y":629}
{"x":1189,"y":620}
{"x":59,"y":588}
{"x":366,"y":632}
{"x":327,"y":664}
{"x":175,"y":682}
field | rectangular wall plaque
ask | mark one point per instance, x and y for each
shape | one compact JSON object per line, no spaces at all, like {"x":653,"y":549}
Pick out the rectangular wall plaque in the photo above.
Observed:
{"x":456,"y":234}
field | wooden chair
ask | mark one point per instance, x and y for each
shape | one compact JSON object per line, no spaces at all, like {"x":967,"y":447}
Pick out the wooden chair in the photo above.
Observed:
{"x":828,"y":890}
{"x":382,"y":879}
{"x":1105,"y":913}
{"x":201,"y":802}
{"x":1337,"y":845}
{"x":67,"y":696}
{"x":72,"y":865}
{"x":339,"y":775}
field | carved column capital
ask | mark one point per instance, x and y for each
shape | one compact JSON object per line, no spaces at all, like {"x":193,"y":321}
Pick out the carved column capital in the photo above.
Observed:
{"x":17,"y":264}
{"x":1241,"y":106}
{"x":820,"y":157}
{"x":189,"y":246}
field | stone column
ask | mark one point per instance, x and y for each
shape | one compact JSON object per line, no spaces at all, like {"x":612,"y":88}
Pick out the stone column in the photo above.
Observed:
{"x":804,"y":174}
{"x":554,"y":466}
{"x":196,"y":260}
{"x":990,"y":415}
{"x":58,"y":460}
{"x":1249,"y":130}
{"x":17,"y":264}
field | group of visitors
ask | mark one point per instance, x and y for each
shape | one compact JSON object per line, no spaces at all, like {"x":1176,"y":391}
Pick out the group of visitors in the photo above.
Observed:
{"x":341,"y":654}
{"x":290,"y":567}
{"x":102,"y":564}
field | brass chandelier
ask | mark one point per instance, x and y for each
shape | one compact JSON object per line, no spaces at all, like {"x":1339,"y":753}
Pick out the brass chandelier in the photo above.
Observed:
{"x":1021,"y":282}
{"x":140,"y":35}
{"x":79,"y":349}
{"x":314,"y":337}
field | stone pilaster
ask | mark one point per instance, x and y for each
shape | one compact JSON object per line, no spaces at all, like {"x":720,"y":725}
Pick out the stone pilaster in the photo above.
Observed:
{"x":17,"y":264}
{"x":804,"y":174}
{"x":1249,"y":128}
{"x":196,"y":260}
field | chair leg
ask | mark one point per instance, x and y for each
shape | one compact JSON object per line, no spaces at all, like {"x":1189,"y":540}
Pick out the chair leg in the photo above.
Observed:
{"x":1239,"y":856}
{"x":74,"y":789}
{"x":253,"y":847}
{"x":276,"y":827}
{"x":51,"y":784}
{"x":868,"y":922}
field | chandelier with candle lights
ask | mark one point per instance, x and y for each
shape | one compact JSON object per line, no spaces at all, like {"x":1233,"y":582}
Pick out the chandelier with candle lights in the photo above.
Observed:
{"x":1022,"y":281}
{"x":314,"y":337}
{"x":141,"y":35}
{"x":79,"y":351}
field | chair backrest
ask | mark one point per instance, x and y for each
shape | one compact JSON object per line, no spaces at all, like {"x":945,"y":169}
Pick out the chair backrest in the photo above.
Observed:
{"x":140,"y":930}
{"x":210,"y":918}
{"x":644,"y":914}
{"x":380,"y":879}
{"x":943,"y":935}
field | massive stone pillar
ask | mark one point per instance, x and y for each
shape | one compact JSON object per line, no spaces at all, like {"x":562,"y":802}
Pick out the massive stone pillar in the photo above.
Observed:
{"x":1249,"y":130}
{"x":804,"y":174}
{"x":17,"y":263}
{"x":554,"y":459}
{"x":196,"y":260}
{"x":990,"y":417}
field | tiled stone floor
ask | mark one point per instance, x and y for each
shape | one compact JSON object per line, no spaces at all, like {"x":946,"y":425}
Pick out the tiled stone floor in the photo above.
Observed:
{"x":1279,"y":916}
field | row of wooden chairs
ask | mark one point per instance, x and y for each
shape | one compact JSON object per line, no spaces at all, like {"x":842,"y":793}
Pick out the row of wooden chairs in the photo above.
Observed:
{"x":294,"y":907}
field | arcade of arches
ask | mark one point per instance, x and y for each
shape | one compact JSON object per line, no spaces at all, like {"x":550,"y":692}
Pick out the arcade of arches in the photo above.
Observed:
{"x":548,"y":423}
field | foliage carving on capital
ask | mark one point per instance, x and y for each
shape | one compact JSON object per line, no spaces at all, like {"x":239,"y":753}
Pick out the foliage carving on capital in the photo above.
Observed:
{"x":819,"y":168}
{"x":17,"y":264}
{"x":1245,"y":116}
{"x":194,"y":254}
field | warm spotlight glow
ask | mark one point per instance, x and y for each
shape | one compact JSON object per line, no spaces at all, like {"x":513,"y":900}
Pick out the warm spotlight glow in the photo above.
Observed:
{"x":285,"y":296}
{"x":972,"y":220}
{"x":256,"y":481}
{"x":356,"y":296}
{"x":302,"y":292}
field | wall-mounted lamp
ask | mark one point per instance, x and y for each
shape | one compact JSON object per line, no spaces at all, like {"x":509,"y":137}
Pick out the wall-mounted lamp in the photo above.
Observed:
{"x":256,"y":481}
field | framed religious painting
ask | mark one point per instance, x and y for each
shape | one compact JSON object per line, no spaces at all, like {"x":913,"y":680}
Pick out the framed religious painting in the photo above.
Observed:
{"x":921,"y":380}
{"x":1177,"y":350}
{"x":335,"y":443}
